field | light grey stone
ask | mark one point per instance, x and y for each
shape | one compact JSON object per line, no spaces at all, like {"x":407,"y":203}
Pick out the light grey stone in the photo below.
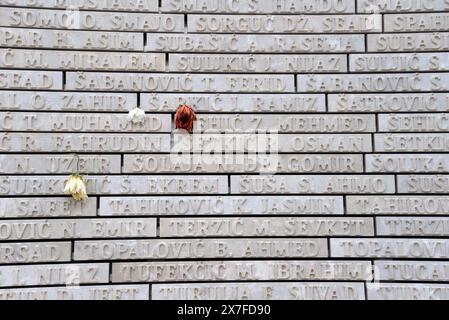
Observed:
{"x":265,"y":227}
{"x":259,"y":43}
{"x":161,"y":82}
{"x":423,"y":184}
{"x":46,"y":207}
{"x":389,"y":248}
{"x":30,"y":80}
{"x":257,"y":63}
{"x":435,"y":21}
{"x":195,"y":249}
{"x":376,"y":6}
{"x":260,"y":291}
{"x":408,"y":42}
{"x":34,"y":252}
{"x":70,"y":39}
{"x":169,"y":102}
{"x":412,"y":226}
{"x":242,"y":270}
{"x":83,"y":142}
{"x":66,"y":101}
{"x":112,"y":292}
{"x":54,"y":274}
{"x":393,"y":102}
{"x":314,"y":184}
{"x":413,"y":271}
{"x":77,"y":228}
{"x":412,"y":142}
{"x":409,"y":122}
{"x":404,"y":163}
{"x":81,"y":60}
{"x":407,"y":291}
{"x":397,"y":205}
{"x":226,"y":205}
{"x":284,"y":23}
{"x":53,"y":164}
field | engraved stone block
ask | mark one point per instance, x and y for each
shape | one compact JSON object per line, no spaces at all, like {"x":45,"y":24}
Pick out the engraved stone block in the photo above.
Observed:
{"x":33,"y":252}
{"x":412,"y":226}
{"x":54,"y":274}
{"x":411,"y":42}
{"x":369,"y":6}
{"x":53,"y":164}
{"x":405,"y":291}
{"x":407,"y":163}
{"x":46,"y":207}
{"x":423,"y":184}
{"x":265,"y":227}
{"x":67,"y":101}
{"x":151,"y":82}
{"x":413,"y":271}
{"x":412,"y":142}
{"x":204,"y":206}
{"x":75,"y":229}
{"x":30,"y":80}
{"x":322,"y":43}
{"x":390,"y":248}
{"x":284,"y":23}
{"x":260,"y":291}
{"x":168,"y":102}
{"x":423,"y":122}
{"x":81,"y":60}
{"x":242,"y":270}
{"x":314,"y":184}
{"x":436,"y":21}
{"x":195,"y":249}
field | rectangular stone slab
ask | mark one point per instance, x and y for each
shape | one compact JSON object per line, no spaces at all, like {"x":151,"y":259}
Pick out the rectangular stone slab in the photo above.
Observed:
{"x":116,"y":185}
{"x":260,"y":291}
{"x":229,"y":103}
{"x":369,"y":6}
{"x":265,"y":227}
{"x":70,"y":39}
{"x":82,"y":122}
{"x":426,"y":22}
{"x":67,"y":101}
{"x":409,"y":122}
{"x":161,"y":82}
{"x":284,"y":23}
{"x":34,"y":252}
{"x":200,"y":249}
{"x":314,"y":184}
{"x":413,"y":271}
{"x":323,"y":43}
{"x":257,"y":63}
{"x":223,"y":205}
{"x":407,"y":291}
{"x":242,"y":270}
{"x":54,"y":274}
{"x":404,"y":163}
{"x":91,"y":20}
{"x":412,"y":142}
{"x":389,"y":248}
{"x":46,"y":207}
{"x":30,"y":80}
{"x":412,"y":226}
{"x":233,"y":163}
{"x":53,"y":164}
{"x":423,"y":184}
{"x":408,"y":42}
{"x":389,"y":102}
{"x":113,"y":292}
{"x":77,"y":229}
{"x":81,"y":60}
{"x":397,"y":205}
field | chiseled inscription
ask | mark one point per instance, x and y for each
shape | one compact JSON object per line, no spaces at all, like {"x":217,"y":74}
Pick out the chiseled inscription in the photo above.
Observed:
{"x":404,"y":291}
{"x":407,"y":163}
{"x":81,"y":60}
{"x":240,"y":271}
{"x":66,"y":101}
{"x":322,"y":43}
{"x":192,"y":248}
{"x":74,"y":292}
{"x":265,"y":227}
{"x":373,"y":82}
{"x":46,"y":207}
{"x":329,"y":184}
{"x":398,"y":205}
{"x":413,"y":270}
{"x":34,"y":252}
{"x":53,"y":164}
{"x":420,"y":122}
{"x":393,"y":102}
{"x":406,"y":42}
{"x":41,"y":275}
{"x":70,"y":39}
{"x":412,"y":226}
{"x":284,"y":23}
{"x":405,"y":6}
{"x":257,"y":63}
{"x":168,"y":102}
{"x":260,"y":291}
{"x":412,"y":142}
{"x":90,"y":81}
{"x":390,"y":248}
{"x":30,"y":80}
{"x":91,"y":20}
{"x":437,"y":21}
{"x":225,"y":205}
{"x":71,"y":229}
{"x":423,"y":184}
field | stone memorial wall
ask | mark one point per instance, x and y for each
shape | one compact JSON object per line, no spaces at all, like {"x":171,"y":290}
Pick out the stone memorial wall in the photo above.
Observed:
{"x":318,"y":167}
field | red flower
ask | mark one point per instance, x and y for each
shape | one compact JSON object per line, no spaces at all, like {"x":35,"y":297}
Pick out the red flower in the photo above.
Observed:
{"x":184,"y":118}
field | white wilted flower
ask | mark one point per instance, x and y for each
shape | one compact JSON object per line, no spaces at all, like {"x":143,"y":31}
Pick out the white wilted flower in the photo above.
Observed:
{"x":136,"y":116}
{"x":76,"y":187}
